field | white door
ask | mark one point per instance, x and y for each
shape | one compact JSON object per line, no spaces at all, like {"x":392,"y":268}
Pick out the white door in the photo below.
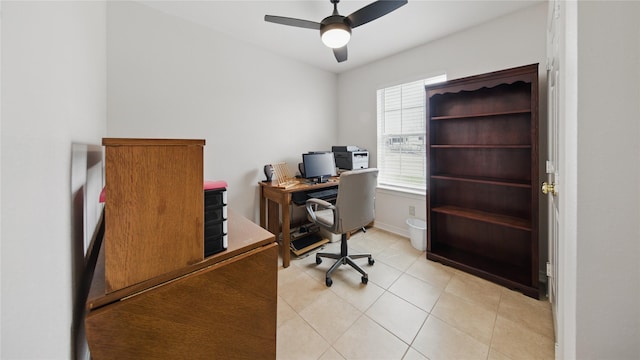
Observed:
{"x":561,"y":179}
{"x":553,"y":164}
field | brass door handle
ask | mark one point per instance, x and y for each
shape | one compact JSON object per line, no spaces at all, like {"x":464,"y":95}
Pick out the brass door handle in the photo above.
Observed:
{"x":549,"y":188}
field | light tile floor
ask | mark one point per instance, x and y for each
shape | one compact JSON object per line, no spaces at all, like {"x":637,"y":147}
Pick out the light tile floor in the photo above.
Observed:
{"x":412,"y":308}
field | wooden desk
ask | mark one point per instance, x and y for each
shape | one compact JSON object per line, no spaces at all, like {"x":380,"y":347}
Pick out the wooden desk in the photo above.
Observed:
{"x":273,"y":201}
{"x":222,"y":307}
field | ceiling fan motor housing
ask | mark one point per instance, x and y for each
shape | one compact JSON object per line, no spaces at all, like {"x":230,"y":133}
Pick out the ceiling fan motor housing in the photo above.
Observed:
{"x":335,"y":31}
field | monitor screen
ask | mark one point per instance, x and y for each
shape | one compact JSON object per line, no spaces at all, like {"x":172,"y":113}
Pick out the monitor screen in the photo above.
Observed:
{"x":319,"y":166}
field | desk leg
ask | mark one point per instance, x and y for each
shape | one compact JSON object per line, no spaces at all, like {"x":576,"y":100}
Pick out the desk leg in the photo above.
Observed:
{"x":286,"y":231}
{"x":272,"y":222}
{"x":263,"y":210}
{"x":273,"y":218}
{"x":273,"y":226}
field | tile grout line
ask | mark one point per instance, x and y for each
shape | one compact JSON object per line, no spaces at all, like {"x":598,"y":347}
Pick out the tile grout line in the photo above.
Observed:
{"x":495,"y":322}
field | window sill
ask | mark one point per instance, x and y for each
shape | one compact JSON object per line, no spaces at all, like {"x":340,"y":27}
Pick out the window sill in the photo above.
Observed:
{"x":400,"y":190}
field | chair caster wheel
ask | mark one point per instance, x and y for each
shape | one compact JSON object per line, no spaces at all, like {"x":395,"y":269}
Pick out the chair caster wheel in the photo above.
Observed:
{"x":371,"y":261}
{"x":329,"y":282}
{"x":365,"y":280}
{"x":318,"y":260}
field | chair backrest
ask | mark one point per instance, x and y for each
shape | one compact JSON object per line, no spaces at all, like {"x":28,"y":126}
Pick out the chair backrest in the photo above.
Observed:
{"x":356,"y":199}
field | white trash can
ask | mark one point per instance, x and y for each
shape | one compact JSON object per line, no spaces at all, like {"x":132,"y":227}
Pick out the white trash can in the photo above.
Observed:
{"x":418,"y":233}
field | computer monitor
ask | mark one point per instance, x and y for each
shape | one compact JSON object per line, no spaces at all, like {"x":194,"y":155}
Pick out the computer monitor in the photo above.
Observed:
{"x":319,"y":166}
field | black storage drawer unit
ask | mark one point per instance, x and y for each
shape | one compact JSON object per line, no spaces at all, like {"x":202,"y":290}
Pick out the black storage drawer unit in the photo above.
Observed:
{"x":215,"y":220}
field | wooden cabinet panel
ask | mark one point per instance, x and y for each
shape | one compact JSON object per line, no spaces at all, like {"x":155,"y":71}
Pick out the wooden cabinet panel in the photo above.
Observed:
{"x":502,"y":163}
{"x":498,"y":199}
{"x":225,"y":311}
{"x":482,"y":201}
{"x":513,"y":92}
{"x":511,"y":129}
{"x":154,"y":210}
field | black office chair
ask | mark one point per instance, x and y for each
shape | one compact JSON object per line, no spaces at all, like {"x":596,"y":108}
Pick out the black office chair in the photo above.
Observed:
{"x":353,"y":210}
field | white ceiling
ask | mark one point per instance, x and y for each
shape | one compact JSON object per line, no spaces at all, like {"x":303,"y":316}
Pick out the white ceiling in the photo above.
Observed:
{"x":414,"y":24}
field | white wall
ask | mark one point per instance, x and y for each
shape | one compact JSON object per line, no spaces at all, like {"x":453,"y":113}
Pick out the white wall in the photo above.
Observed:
{"x":53,"y":94}
{"x":513,"y":40}
{"x":172,"y":78}
{"x":608,"y":232}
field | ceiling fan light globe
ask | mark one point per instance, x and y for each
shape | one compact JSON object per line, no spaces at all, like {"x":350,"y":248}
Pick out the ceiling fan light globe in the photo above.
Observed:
{"x":336,"y":35}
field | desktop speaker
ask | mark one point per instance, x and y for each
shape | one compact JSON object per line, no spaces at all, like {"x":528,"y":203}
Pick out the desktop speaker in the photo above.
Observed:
{"x":268,"y":172}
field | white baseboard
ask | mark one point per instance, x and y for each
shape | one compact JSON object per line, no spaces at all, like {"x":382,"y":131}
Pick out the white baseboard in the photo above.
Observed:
{"x":392,"y":229}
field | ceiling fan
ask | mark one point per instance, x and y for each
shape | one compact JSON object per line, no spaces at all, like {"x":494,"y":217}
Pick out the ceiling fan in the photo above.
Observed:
{"x":335,"y":29}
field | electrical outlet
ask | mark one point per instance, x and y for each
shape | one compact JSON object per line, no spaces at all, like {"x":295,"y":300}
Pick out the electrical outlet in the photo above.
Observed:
{"x":412,"y":210}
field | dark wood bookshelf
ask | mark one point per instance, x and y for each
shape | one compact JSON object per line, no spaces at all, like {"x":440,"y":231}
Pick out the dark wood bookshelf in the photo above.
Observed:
{"x":502,"y":182}
{"x":505,"y":146}
{"x":468,"y":116}
{"x":482,"y":154}
{"x":504,"y":220}
{"x":495,"y":270}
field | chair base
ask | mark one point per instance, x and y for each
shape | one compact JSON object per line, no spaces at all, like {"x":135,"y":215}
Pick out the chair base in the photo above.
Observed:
{"x":344,"y":259}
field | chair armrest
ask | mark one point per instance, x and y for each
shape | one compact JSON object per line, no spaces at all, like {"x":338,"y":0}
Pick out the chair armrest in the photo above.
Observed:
{"x":323,"y":204}
{"x":313,"y":204}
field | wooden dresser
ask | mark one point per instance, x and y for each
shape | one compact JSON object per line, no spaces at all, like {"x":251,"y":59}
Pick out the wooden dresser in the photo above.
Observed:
{"x":222,"y":306}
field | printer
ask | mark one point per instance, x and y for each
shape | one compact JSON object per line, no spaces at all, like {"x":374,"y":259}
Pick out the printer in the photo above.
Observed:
{"x":350,"y":157}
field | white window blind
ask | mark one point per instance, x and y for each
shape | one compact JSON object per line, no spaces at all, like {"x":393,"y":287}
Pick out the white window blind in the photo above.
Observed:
{"x":401,"y":135}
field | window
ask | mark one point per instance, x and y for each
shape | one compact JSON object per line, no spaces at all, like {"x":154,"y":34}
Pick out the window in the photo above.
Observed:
{"x":401,"y":135}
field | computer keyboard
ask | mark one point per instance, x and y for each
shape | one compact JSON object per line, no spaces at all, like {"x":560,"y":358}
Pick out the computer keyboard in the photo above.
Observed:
{"x":323,"y":194}
{"x":299,"y":198}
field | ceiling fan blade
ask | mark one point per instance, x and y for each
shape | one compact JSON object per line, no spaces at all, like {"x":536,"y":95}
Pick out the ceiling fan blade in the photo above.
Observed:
{"x":340,"y":53}
{"x":374,"y":11}
{"x":292,"y":22}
